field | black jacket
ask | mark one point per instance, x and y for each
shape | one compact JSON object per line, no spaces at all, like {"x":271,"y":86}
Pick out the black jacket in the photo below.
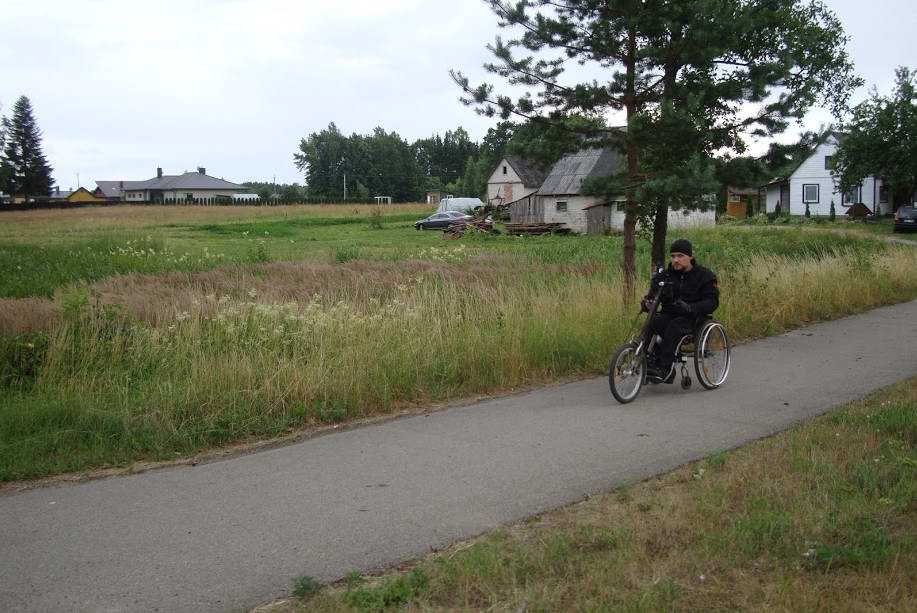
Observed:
{"x":698,"y":287}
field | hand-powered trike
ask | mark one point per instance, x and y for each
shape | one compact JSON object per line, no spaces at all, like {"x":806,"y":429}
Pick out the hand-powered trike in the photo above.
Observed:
{"x":708,"y":344}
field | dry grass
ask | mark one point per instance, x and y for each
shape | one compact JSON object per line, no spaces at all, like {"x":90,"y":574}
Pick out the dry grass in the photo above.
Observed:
{"x":820,"y":518}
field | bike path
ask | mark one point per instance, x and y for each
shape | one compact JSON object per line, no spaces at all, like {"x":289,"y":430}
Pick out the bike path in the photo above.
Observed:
{"x":231,"y":534}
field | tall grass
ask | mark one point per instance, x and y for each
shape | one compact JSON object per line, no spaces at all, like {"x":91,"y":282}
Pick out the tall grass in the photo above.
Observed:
{"x":285,"y":345}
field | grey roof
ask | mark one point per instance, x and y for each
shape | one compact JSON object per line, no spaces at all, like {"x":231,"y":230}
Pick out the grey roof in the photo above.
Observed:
{"x":531,"y":173}
{"x":112,"y":189}
{"x":567,"y":176}
{"x":188,"y":180}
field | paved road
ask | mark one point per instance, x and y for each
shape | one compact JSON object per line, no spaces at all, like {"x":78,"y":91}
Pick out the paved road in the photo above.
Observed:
{"x":232,"y":534}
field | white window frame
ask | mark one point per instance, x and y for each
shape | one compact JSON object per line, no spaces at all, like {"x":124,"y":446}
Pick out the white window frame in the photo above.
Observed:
{"x":805,"y":199}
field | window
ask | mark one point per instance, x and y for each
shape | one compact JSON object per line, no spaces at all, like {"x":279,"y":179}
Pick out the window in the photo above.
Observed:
{"x":561,"y":206}
{"x":883,"y":194}
{"x":810,"y":193}
{"x":504,"y":169}
{"x":854,"y":195}
{"x":828,"y":162}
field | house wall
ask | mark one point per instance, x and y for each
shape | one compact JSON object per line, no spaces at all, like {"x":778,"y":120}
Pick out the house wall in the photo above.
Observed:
{"x":83,"y":196}
{"x":691,"y":219}
{"x":507,"y":186}
{"x":772,"y":197}
{"x":528,"y":210}
{"x":575,"y":216}
{"x":180,"y":194}
{"x":813,"y":172}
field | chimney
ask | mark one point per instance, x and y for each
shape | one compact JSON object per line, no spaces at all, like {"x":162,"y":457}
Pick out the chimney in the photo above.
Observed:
{"x":159,"y":173}
{"x":121,"y":185}
{"x":202,"y":170}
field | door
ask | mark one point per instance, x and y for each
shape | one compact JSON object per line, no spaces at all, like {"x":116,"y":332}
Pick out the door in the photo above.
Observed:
{"x":785,"y":198}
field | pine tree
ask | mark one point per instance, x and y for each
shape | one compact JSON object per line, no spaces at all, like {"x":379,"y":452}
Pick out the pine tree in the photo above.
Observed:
{"x":25,"y":170}
{"x":683,"y":72}
{"x":832,"y":215}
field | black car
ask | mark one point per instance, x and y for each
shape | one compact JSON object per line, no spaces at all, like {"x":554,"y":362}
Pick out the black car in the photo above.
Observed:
{"x":906,"y":219}
{"x":441,"y":220}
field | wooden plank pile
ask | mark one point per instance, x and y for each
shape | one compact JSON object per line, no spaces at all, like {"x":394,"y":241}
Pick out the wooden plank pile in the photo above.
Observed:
{"x":534,"y":229}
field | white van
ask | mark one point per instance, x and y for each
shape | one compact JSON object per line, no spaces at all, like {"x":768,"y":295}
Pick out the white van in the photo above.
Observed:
{"x":464,"y":205}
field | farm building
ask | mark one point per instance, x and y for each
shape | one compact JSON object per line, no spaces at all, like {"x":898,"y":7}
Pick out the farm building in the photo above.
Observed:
{"x":560,"y":197}
{"x":512,"y":179}
{"x":189,"y":186}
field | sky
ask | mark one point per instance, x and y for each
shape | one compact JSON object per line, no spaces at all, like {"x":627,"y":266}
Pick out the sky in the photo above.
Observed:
{"x":122,"y":87}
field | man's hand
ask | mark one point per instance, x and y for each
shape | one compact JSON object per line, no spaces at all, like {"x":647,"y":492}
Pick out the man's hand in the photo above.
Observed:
{"x":682,"y":307}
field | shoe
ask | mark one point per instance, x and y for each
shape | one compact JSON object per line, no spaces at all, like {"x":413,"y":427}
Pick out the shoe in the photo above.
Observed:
{"x":658,"y":374}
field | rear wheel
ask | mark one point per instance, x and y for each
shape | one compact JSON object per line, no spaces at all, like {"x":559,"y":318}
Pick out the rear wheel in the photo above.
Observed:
{"x":711,"y":355}
{"x":626,"y":373}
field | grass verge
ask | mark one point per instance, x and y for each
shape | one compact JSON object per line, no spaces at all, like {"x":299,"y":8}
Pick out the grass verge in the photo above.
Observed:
{"x":819,"y":518}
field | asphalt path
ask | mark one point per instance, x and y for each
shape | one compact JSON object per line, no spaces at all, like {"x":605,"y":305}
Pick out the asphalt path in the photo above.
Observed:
{"x":230,"y":535}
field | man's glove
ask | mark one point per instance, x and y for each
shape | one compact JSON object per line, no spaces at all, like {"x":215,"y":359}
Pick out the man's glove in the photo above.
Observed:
{"x":645,"y":305}
{"x":680,"y":306}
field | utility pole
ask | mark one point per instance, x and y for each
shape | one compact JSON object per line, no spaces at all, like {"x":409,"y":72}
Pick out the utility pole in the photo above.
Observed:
{"x":345,"y":186}
{"x":77,"y":179}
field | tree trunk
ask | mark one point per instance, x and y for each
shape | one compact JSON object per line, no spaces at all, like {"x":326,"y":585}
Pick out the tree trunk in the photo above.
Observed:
{"x":630,"y":210}
{"x":661,"y":221}
{"x":660,"y":228}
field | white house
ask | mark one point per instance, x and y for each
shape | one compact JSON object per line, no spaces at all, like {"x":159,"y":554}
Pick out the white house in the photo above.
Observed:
{"x":814,"y":183}
{"x":189,"y":186}
{"x":512,"y":179}
{"x":560,"y":198}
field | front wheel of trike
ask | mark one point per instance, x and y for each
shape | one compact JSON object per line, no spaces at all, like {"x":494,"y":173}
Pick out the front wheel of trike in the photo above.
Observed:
{"x":626,"y":373}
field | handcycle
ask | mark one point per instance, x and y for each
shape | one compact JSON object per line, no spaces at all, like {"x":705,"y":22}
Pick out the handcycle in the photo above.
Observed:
{"x":707,"y":344}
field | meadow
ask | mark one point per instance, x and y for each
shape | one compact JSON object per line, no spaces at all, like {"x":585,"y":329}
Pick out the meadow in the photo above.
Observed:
{"x":149,"y":333}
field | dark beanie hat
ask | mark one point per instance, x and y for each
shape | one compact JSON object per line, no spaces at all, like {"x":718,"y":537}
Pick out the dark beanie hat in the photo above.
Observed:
{"x":682,"y":246}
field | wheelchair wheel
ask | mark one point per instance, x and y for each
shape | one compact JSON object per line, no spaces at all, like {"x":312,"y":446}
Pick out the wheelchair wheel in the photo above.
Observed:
{"x":626,"y":373}
{"x":711,"y":355}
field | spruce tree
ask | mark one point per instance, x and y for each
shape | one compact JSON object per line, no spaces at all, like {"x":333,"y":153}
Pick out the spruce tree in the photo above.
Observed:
{"x":25,"y":170}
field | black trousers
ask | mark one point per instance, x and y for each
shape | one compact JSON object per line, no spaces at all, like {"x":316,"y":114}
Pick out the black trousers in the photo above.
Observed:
{"x":671,"y":328}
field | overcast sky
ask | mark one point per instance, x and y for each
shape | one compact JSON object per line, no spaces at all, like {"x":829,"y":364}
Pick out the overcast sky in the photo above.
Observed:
{"x":121,"y":87}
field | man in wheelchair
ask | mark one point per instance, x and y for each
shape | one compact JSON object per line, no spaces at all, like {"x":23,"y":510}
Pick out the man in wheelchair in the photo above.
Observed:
{"x":690,"y":294}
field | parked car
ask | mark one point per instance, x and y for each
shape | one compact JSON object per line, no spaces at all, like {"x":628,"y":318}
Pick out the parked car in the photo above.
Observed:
{"x":906,"y":219}
{"x":441,"y":221}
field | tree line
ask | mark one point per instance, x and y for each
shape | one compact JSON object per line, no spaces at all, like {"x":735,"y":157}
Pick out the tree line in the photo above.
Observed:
{"x":24,"y":170}
{"x":385,"y":164}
